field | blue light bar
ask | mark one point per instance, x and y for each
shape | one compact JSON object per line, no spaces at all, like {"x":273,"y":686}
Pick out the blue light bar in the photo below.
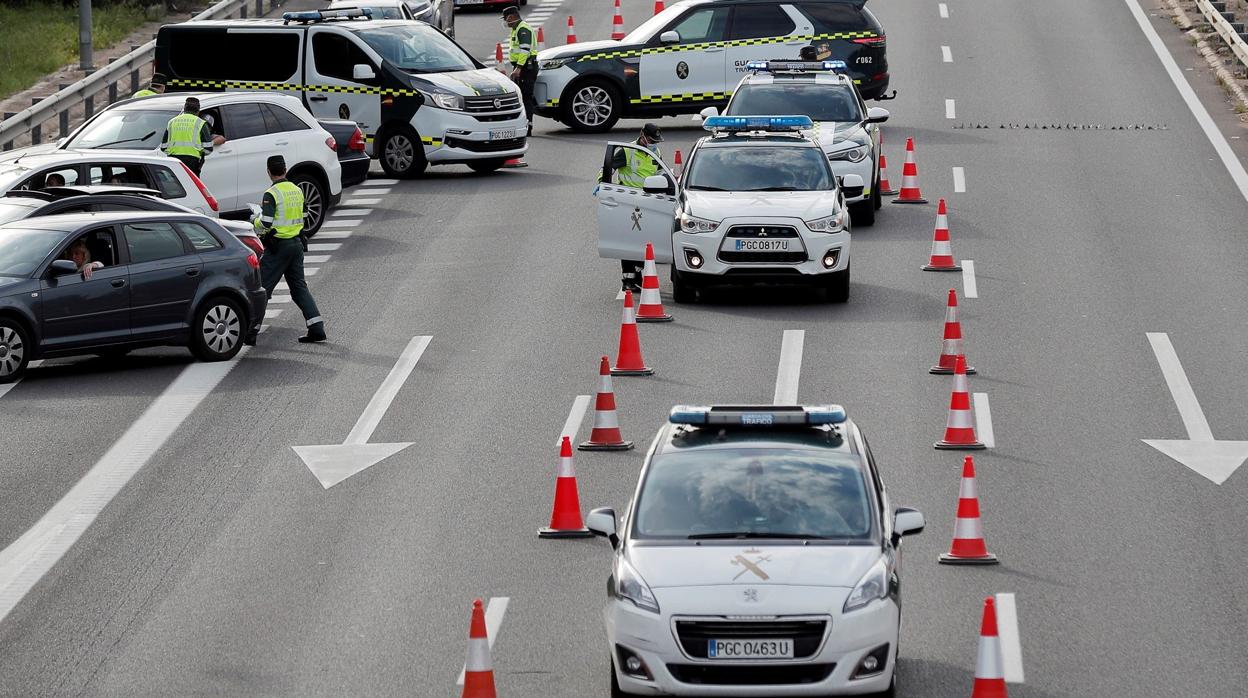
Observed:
{"x":757,"y":123}
{"x":757,"y":416}
{"x":309,"y":16}
{"x":794,"y":66}
{"x":321,"y":15}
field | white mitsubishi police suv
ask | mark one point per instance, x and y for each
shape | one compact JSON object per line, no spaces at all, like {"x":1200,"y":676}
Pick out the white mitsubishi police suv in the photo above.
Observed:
{"x":760,"y":556}
{"x":758,"y":202}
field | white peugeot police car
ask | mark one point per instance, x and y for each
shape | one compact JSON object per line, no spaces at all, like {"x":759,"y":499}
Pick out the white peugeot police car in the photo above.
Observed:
{"x":758,"y":202}
{"x":846,"y":129}
{"x":760,"y":556}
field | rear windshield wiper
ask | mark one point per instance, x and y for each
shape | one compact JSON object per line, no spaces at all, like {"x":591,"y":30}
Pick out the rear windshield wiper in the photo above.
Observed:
{"x":125,"y":140}
{"x":756,"y":534}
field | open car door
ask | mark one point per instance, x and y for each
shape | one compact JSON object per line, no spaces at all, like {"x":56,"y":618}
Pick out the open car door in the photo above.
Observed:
{"x":629,"y":217}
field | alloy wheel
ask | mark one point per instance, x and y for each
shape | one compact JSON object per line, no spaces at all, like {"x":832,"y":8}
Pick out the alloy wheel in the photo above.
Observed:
{"x":592,"y":105}
{"x":313,"y":206}
{"x":12,"y":351}
{"x":222,"y":329}
{"x":400,"y":152}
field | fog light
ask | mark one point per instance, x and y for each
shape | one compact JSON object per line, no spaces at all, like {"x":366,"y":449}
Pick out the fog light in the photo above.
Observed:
{"x":632,"y":664}
{"x":868,"y":664}
{"x":831,"y":258}
{"x":693,"y":258}
{"x":872,"y":664}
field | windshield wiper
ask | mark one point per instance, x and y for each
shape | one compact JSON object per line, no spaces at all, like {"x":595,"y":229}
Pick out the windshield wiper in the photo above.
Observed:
{"x":756,"y":534}
{"x":701,"y":188}
{"x":125,"y":140}
{"x":778,"y":189}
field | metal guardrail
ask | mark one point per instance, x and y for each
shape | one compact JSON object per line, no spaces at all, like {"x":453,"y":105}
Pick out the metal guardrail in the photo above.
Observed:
{"x":1215,"y":14}
{"x":105,"y":82}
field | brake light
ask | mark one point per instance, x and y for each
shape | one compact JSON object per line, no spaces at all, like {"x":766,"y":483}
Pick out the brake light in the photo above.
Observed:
{"x":357,"y":141}
{"x":253,"y":261}
{"x":212,"y":201}
{"x":331,"y":144}
{"x":871,"y":41}
{"x":253,"y":243}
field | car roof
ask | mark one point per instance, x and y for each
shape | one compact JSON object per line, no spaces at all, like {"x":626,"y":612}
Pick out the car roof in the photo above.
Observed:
{"x":173,"y":101}
{"x":344,"y":4}
{"x":348,"y":24}
{"x":73,"y":221}
{"x":826,"y":439}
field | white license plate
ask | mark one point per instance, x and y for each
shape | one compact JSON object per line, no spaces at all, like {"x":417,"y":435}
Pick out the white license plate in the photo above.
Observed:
{"x":749,"y":649}
{"x":503,"y":134}
{"x":743,"y":245}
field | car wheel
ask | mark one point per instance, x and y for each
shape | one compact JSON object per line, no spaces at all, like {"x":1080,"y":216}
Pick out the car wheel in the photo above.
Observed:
{"x":402,"y":154}
{"x":682,"y":292}
{"x":836,"y":286}
{"x":877,"y":199}
{"x":15,"y":350}
{"x":314,"y":201}
{"x":863,"y":212}
{"x":217,"y":333}
{"x":592,"y":106}
{"x":486,"y":166}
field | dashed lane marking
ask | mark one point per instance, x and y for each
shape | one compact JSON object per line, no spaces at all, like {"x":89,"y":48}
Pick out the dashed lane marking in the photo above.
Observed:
{"x":311,"y":271}
{"x":983,"y":420}
{"x":944,"y":10}
{"x":315,"y":258}
{"x":372,"y":192}
{"x":361,"y":202}
{"x":333,"y":234}
{"x":345,"y":223}
{"x":945,"y":54}
{"x":575,"y":416}
{"x":351,"y":212}
{"x":323,"y":246}
{"x":380,"y":182}
{"x":969,"y":288}
{"x":950,"y":113}
{"x":279,"y":299}
{"x":790,"y":369}
{"x":271,"y":313}
{"x":494,"y":610}
{"x":959,"y":180}
{"x":1011,"y":646}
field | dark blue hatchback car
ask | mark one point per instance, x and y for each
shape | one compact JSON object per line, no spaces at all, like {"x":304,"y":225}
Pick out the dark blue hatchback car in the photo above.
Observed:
{"x":106,"y":283}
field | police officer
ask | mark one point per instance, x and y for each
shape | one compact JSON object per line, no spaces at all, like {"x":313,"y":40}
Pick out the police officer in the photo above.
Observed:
{"x":188,"y":137}
{"x":522,"y":53}
{"x":280,"y":227}
{"x":631,"y":169}
{"x":155,"y":87}
{"x":808,"y":53}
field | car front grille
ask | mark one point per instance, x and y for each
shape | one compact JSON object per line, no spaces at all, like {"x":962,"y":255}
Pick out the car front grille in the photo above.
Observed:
{"x":806,"y":634}
{"x":750,"y":674}
{"x":477,"y":105}
{"x":752,"y":232}
{"x":504,"y":116}
{"x":484,"y":146}
{"x":763,"y":257}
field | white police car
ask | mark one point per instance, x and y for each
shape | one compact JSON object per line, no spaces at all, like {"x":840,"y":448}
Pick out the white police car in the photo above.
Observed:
{"x":846,"y":129}
{"x":760,"y":556}
{"x":758,"y":202}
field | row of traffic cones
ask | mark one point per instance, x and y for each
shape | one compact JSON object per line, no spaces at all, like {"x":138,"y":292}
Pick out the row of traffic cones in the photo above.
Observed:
{"x":617,"y":26}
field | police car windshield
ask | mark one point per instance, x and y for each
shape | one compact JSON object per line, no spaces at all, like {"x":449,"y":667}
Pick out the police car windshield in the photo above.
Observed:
{"x":124,"y":129}
{"x":22,"y":250}
{"x":819,"y":102}
{"x":417,"y":48}
{"x":754,"y":493}
{"x":759,"y":168}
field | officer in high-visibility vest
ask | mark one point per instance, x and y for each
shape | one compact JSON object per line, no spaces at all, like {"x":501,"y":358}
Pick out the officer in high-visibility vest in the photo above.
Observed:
{"x":280,"y":227}
{"x":155,"y":87}
{"x":522,"y":54}
{"x":631,"y":169}
{"x":188,"y":137}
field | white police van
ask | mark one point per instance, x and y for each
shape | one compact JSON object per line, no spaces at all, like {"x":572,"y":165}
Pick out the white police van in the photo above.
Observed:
{"x":758,"y":203}
{"x":419,"y":98}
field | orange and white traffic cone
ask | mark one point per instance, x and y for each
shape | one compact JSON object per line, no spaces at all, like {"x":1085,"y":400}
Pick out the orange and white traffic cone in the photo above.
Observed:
{"x":968,"y":546}
{"x":478,"y":669}
{"x":605,"y":435}
{"x":910,"y":193}
{"x":571,"y":31}
{"x":658,"y":6}
{"x":941,"y":258}
{"x":651,"y":307}
{"x":678,"y":165}
{"x":565,"y":515}
{"x":499,"y":64}
{"x":951,"y":346}
{"x":960,"y":428}
{"x":989,"y":667}
{"x":886,"y":189}
{"x":617,"y":24}
{"x":541,"y":40}
{"x":628,"y":361}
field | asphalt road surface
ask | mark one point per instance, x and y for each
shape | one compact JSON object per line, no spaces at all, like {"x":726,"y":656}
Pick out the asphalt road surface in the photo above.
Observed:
{"x":222,"y":566}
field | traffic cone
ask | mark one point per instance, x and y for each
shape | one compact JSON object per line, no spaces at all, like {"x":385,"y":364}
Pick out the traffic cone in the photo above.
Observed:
{"x":628,"y":361}
{"x":658,"y":6}
{"x":960,"y":428}
{"x":910,"y":193}
{"x":651,"y":307}
{"x":541,"y":40}
{"x":968,"y":546}
{"x":989,"y":673}
{"x":617,"y":24}
{"x":478,"y":670}
{"x":571,"y":31}
{"x":499,"y":64}
{"x":951,"y":345}
{"x":605,"y":435}
{"x":886,"y":189}
{"x":677,"y":164}
{"x":942,"y":248}
{"x":565,"y":515}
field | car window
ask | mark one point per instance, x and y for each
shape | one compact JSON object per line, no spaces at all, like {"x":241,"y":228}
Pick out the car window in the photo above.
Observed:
{"x":201,"y":240}
{"x":702,"y":26}
{"x":211,"y":53}
{"x":831,"y":17}
{"x":117,"y":173}
{"x":167,"y":182}
{"x":757,"y":168}
{"x":153,"y":240}
{"x":242,"y":121}
{"x":277,"y":119}
{"x":336,"y":56}
{"x":22,"y":250}
{"x":755,"y":21}
{"x":819,"y":102}
{"x":134,"y":129}
{"x":56,"y":177}
{"x":99,"y":245}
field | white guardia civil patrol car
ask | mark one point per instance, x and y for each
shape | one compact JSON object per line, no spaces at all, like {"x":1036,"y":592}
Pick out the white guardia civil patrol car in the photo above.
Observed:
{"x":760,"y":556}
{"x":846,"y":129}
{"x":758,"y":202}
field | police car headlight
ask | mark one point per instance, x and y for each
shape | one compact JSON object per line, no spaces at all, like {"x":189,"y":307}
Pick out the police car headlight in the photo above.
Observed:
{"x":695,"y":225}
{"x":872,"y":586}
{"x":552,"y":63}
{"x":828,"y":224}
{"x":446,"y":101}
{"x":629,"y":585}
{"x":856,"y":154}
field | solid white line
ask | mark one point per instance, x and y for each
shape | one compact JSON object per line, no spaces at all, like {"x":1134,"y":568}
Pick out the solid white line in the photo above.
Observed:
{"x":573,"y":423}
{"x":949,"y":110}
{"x":1180,"y":388}
{"x":271,"y":313}
{"x":29,"y":558}
{"x":1229,"y":160}
{"x":311,"y":271}
{"x":279,"y":299}
{"x":959,"y":181}
{"x":371,"y":192}
{"x":495,"y":608}
{"x":944,"y":10}
{"x":347,"y":223}
{"x":1011,"y":646}
{"x":351,"y":212}
{"x":361,"y":202}
{"x":969,"y":287}
{"x":945,"y":54}
{"x":323,"y":246}
{"x":983,"y":419}
{"x":379,"y":182}
{"x":389,"y":389}
{"x":333,"y":234}
{"x":315,"y":258}
{"x":790,"y":369}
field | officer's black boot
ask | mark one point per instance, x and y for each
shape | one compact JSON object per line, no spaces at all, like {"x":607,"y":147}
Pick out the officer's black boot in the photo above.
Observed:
{"x":316,"y":333}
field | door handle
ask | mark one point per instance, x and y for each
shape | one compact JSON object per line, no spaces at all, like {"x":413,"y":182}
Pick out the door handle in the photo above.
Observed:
{"x":318,"y":98}
{"x":713,"y":49}
{"x":118,"y":283}
{"x":192,"y":271}
{"x":282,"y":143}
{"x":609,"y":203}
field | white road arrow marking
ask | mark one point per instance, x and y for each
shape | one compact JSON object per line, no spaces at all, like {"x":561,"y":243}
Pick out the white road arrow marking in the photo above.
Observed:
{"x":1216,"y":460}
{"x":334,"y":463}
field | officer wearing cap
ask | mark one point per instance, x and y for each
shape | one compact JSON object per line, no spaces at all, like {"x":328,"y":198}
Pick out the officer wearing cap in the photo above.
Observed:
{"x":188,"y":137}
{"x":155,"y":87}
{"x":522,"y":54}
{"x":631,"y":169}
{"x":808,"y":53}
{"x":280,"y":227}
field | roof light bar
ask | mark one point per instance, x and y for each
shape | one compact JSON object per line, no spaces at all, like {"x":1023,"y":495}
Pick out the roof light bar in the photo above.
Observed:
{"x":757,"y":416}
{"x":322,"y":15}
{"x":795,"y":66}
{"x":757,"y":123}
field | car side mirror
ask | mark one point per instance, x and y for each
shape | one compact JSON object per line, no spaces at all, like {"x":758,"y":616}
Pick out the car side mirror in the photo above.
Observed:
{"x":63,"y":267}
{"x":708,"y":113}
{"x":669,"y":37}
{"x":657,"y":184}
{"x":601,"y":522}
{"x":907,"y":522}
{"x":851,"y":185}
{"x":362,"y":71}
{"x":877,"y":115}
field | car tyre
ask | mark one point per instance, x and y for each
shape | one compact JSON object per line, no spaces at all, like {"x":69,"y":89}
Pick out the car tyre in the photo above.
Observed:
{"x":218,"y":329}
{"x":315,"y":201}
{"x":592,"y":106}
{"x":877,"y":199}
{"x":863,"y":212}
{"x":402,"y":154}
{"x":486,"y":166}
{"x":682,"y":292}
{"x":836,"y":286}
{"x":15,"y":350}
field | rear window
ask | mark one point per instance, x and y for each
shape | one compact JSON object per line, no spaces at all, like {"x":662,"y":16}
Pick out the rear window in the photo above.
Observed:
{"x":832,"y":17}
{"x":819,"y":102}
{"x":220,"y":54}
{"x":277,"y":119}
{"x":167,"y":182}
{"x":756,"y":21}
{"x":152,"y":241}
